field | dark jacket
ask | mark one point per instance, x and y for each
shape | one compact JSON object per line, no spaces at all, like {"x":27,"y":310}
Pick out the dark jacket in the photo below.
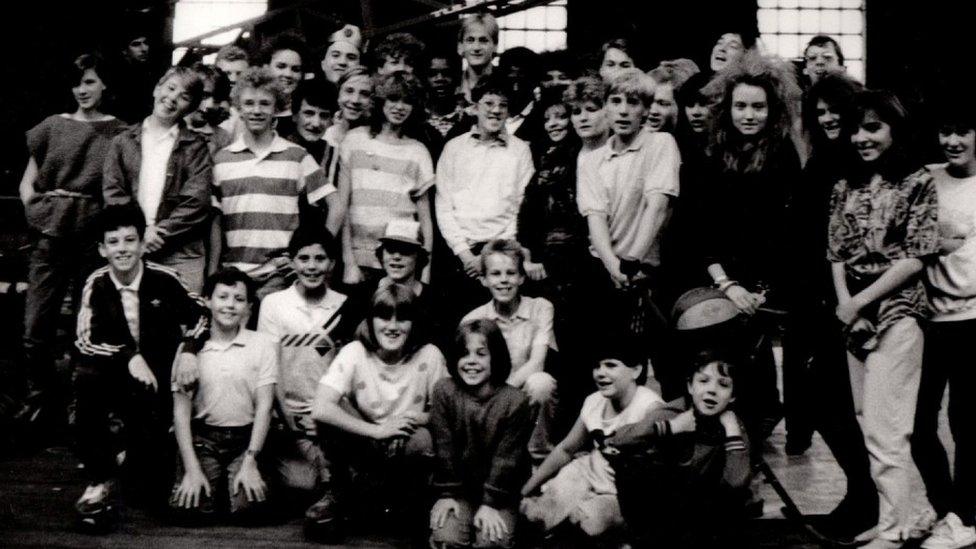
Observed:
{"x":184,"y":210}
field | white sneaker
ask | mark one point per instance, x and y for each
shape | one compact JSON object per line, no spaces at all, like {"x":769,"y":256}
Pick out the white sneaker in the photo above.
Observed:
{"x":950,"y":533}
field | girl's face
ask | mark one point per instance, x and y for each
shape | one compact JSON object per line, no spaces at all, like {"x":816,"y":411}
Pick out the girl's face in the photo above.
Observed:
{"x":750,"y":109}
{"x":872,"y":138}
{"x":614,"y":61}
{"x":354,"y":98}
{"x":613,"y":378}
{"x":286,"y":65}
{"x":829,"y":120}
{"x":557,"y":122}
{"x":474,"y":368}
{"x":710,"y":390}
{"x":396,"y":111}
{"x":228,"y":305}
{"x":698,"y":115}
{"x":88,"y":91}
{"x":959,"y":146}
{"x":339,"y":58}
{"x":663,"y":113}
{"x":502,"y":278}
{"x":589,"y":120}
{"x":391,"y":333}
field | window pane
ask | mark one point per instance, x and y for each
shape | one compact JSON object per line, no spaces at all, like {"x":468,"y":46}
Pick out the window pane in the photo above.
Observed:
{"x":855,"y":68}
{"x":788,"y":3}
{"x":851,"y":22}
{"x":535,"y":18}
{"x":852,"y":43}
{"x":809,"y":21}
{"x":830,"y":3}
{"x":789,"y":21}
{"x":810,"y":3}
{"x":767,"y":21}
{"x":555,"y":40}
{"x":772,"y":43}
{"x":767,"y":3}
{"x":556,"y":17}
{"x":830,"y":21}
{"x":852,"y":3}
{"x":789,"y":45}
{"x":535,"y":40}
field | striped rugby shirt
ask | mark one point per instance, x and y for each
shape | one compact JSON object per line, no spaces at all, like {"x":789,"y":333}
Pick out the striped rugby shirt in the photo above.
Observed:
{"x":258,"y":198}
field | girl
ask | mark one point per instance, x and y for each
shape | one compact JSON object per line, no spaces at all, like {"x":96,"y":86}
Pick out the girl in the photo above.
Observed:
{"x":583,"y":489}
{"x":481,"y":428}
{"x":883,"y":223}
{"x":62,"y":193}
{"x":385,"y":173}
{"x":355,"y":95}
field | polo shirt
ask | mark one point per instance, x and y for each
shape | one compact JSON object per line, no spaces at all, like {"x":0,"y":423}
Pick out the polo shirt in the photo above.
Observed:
{"x":230,"y":375}
{"x":257,"y":195}
{"x":531,"y":325}
{"x":619,"y":185}
{"x":480,"y":185}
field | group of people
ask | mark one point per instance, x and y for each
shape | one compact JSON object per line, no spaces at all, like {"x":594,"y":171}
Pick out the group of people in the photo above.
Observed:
{"x":389,"y":283}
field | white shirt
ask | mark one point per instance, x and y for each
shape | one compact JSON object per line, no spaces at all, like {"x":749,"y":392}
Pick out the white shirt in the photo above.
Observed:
{"x":157,"y":145}
{"x":130,"y":299}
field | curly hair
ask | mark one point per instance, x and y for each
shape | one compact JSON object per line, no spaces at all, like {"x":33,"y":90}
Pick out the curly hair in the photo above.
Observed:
{"x":586,"y":88}
{"x":398,"y":86}
{"x":399,"y":45}
{"x":259,"y":78}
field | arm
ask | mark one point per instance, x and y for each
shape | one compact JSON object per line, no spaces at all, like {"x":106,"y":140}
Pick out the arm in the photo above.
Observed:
{"x":447,"y":474}
{"x":837,"y":272}
{"x":653,"y":220}
{"x":737,"y":466}
{"x":188,"y":493}
{"x":895,"y":277}
{"x":27,"y":181}
{"x":115,"y":188}
{"x":216,"y":244}
{"x":444,"y":202}
{"x":336,"y":214}
{"x":249,"y":477}
{"x":523,"y":174}
{"x":600,"y":239}
{"x":659,"y":184}
{"x":327,"y":410}
{"x":558,"y":458}
{"x":747,"y":302}
{"x":510,"y":458}
{"x":426,"y":231}
{"x":193,"y":199}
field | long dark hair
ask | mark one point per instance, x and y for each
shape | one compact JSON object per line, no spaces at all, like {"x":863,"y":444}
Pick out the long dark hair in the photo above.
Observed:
{"x":901,"y":158}
{"x":398,"y":86}
{"x":838,"y":91}
{"x":501,"y":361}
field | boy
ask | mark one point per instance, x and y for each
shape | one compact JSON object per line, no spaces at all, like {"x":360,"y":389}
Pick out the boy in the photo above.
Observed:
{"x":477,"y":41}
{"x":286,"y":56}
{"x":398,"y":52}
{"x":444,"y":104}
{"x":258,"y":180}
{"x":315,"y":103}
{"x":681,"y":472}
{"x":481,"y":178}
{"x":213,"y":108}
{"x":135,"y":75}
{"x":129,"y":329}
{"x":166,"y":169}
{"x":232,"y":60}
{"x":821,"y":57}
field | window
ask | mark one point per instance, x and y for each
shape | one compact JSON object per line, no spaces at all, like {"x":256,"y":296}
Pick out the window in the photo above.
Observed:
{"x":194,"y":17}
{"x":785,"y":27}
{"x":541,"y":28}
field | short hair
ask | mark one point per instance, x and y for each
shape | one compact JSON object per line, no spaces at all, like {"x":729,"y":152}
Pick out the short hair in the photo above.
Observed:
{"x":708,"y":356}
{"x":288,"y":40}
{"x":84,"y":63}
{"x":398,"y":86}
{"x":616,"y":44}
{"x":230,"y":53}
{"x":506,"y":247}
{"x":632,"y":83}
{"x":559,"y":60}
{"x":501,"y":361}
{"x":838,"y":91}
{"x":217,"y":78}
{"x":317,"y":92}
{"x":453,"y":62}
{"x":675,"y":72}
{"x":259,"y":78}
{"x":900,"y":158}
{"x":399,"y":45}
{"x":523,"y":58}
{"x":954,"y":111}
{"x":617,"y":342}
{"x":486,"y":20}
{"x":389,"y":301}
{"x":116,"y":216}
{"x":192,"y":82}
{"x":493,"y":84}
{"x":310,"y":234}
{"x":822,"y":40}
{"x":584,"y":89}
{"x":230,"y":276}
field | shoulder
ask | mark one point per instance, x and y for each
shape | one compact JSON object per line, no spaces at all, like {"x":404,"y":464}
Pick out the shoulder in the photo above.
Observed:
{"x":592,"y":402}
{"x":445,"y":387}
{"x":659,"y":140}
{"x":278,"y":300}
{"x":430,"y":352}
{"x":97,"y":277}
{"x":540,"y":304}
{"x":162,"y":273}
{"x":259,"y":341}
{"x":478,"y":312}
{"x":514,"y":397}
{"x":920,"y":177}
{"x":646,"y":397}
{"x":353,"y":351}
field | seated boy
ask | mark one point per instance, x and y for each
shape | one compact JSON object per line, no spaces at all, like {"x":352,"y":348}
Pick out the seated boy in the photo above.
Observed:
{"x":130,"y":325}
{"x":221,"y":424}
{"x":527,"y":324}
{"x":403,"y":257}
{"x":686,"y":465}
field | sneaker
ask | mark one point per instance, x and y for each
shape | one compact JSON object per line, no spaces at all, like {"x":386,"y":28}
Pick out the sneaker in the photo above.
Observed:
{"x":950,"y":533}
{"x":94,"y":500}
{"x":323,"y":523}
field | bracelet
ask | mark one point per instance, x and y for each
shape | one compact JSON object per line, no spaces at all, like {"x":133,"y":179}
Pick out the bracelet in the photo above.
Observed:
{"x":726,"y":284}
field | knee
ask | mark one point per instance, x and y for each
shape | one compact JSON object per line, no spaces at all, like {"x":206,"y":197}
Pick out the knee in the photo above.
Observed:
{"x":541,"y":387}
{"x":297,"y":474}
{"x":420,"y":443}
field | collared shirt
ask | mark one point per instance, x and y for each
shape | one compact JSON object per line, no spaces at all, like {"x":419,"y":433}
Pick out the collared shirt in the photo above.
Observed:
{"x":480,"y":185}
{"x":530,"y":326}
{"x":230,"y":375}
{"x":304,"y":333}
{"x":619,"y":185}
{"x":444,"y":123}
{"x":257,"y":193}
{"x":157,"y":145}
{"x":130,"y":299}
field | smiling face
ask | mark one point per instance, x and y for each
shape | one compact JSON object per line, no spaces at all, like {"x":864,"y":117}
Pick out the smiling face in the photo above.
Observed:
{"x":872,"y":137}
{"x":228,"y":305}
{"x":286,"y":66}
{"x":122,"y":248}
{"x":440,"y":78}
{"x":828,"y":119}
{"x":589,"y":120}
{"x":663,"y":113}
{"x":750,"y":109}
{"x":396,"y":111}
{"x":312,"y":121}
{"x":727,"y":49}
{"x":698,"y":115}
{"x":312,"y":266}
{"x":171,"y":101}
{"x":339,"y":59}
{"x":820,"y":60}
{"x":492,"y":112}
{"x":557,"y":122}
{"x":614,"y":379}
{"x":614,"y":61}
{"x":88,"y":91}
{"x":399,"y":261}
{"x":502,"y":277}
{"x":257,"y":108}
{"x":391,"y":333}
{"x":626,"y":113}
{"x":959,"y":147}
{"x":474,"y":367}
{"x":354,"y":97}
{"x":476,"y":46}
{"x":710,"y":390}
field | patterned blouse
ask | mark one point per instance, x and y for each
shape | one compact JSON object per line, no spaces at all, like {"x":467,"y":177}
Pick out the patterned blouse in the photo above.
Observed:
{"x":871,"y":227}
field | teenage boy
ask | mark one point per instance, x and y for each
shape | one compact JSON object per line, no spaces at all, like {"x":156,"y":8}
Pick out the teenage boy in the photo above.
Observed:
{"x":135,"y":75}
{"x":129,"y":328}
{"x":314,"y":104}
{"x":166,"y":169}
{"x":258,"y":180}
{"x":521,"y":67}
{"x":398,"y":52}
{"x":213,"y":108}
{"x":481,"y":178}
{"x":232,"y":60}
{"x":286,"y":55}
{"x":822,"y":56}
{"x":477,"y":41}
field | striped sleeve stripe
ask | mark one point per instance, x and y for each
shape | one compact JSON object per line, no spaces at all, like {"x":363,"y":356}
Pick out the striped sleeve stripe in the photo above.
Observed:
{"x":384,"y":184}
{"x":360,"y":159}
{"x":423,"y":188}
{"x":276,"y":187}
{"x":261,"y":221}
{"x":733,"y":444}
{"x":317,"y":185}
{"x":242,"y":266}
{"x":83,"y":327}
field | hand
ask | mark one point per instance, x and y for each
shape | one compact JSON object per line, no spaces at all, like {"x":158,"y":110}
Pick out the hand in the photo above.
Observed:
{"x":425,"y":274}
{"x":442,"y":509}
{"x":188,"y":493}
{"x":535,"y":271}
{"x":683,"y":422}
{"x":249,"y":478}
{"x":471,"y":263}
{"x":398,"y":426}
{"x":618,"y":278}
{"x":187,"y":370}
{"x":490,"y":522}
{"x":153,"y":240}
{"x":731,"y":424}
{"x":352,"y":274}
{"x":747,"y":302}
{"x":417,"y":418}
{"x":848,"y":310}
{"x":140,"y":371}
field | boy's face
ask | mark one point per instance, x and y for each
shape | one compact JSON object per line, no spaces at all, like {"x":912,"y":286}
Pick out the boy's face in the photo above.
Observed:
{"x":171,"y":101}
{"x":727,"y":49}
{"x":355,"y":97}
{"x":198,"y":118}
{"x":232,"y":69}
{"x":626,"y":113}
{"x":257,"y":108}
{"x":339,"y":59}
{"x":399,"y":261}
{"x":502,"y":277}
{"x":312,"y":121}
{"x":137,"y":50}
{"x":440,"y":78}
{"x":228,"y":305}
{"x":492,"y":112}
{"x":476,"y":46}
{"x":663,"y":113}
{"x":614,"y":61}
{"x":959,"y":146}
{"x":122,"y":248}
{"x":613,"y":377}
{"x":710,"y":390}
{"x":589,"y":120}
{"x":820,"y":60}
{"x":286,"y":65}
{"x":557,"y":122}
{"x":392,"y":64}
{"x":312,"y":266}
{"x":829,"y":120}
